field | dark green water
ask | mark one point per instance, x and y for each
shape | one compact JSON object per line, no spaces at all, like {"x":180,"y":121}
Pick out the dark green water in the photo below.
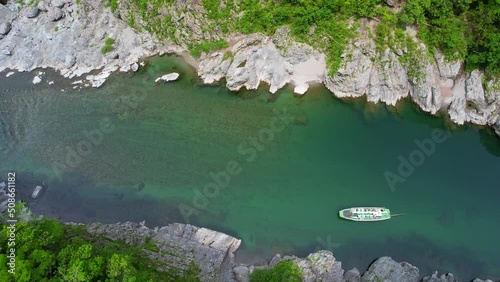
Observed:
{"x":165,"y":140}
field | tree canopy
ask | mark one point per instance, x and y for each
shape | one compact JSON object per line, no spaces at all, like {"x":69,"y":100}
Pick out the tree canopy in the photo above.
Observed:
{"x":47,"y":250}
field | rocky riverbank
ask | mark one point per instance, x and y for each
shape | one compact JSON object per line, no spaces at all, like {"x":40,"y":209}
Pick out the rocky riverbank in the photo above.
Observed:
{"x":78,"y":37}
{"x":180,"y":245}
{"x":184,"y":247}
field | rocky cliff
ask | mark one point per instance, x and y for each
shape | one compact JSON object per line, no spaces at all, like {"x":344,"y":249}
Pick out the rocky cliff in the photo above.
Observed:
{"x":181,"y":245}
{"x":69,"y":36}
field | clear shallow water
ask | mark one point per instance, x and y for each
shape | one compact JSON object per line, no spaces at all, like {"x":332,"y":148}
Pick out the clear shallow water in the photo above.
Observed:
{"x":165,"y":140}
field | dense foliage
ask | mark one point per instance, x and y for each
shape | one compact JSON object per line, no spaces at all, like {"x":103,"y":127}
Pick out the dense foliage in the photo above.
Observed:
{"x":465,"y":29}
{"x":196,"y":49}
{"x":461,"y":29}
{"x":285,"y":270}
{"x":47,"y":250}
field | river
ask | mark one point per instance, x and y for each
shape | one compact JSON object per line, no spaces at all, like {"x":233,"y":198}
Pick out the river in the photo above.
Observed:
{"x":273,"y":170}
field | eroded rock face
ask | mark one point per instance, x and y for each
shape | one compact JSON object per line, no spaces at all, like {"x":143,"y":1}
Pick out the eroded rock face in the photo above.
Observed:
{"x":250,"y":60}
{"x":168,"y":77}
{"x":439,"y":85}
{"x":253,"y":65}
{"x":73,"y":46}
{"x":447,"y":69}
{"x":182,"y":244}
{"x":57,"y":3}
{"x":353,"y":77}
{"x":471,"y":103}
{"x":382,"y":80}
{"x":255,"y":59}
{"x":179,"y":245}
{"x":386,"y":269}
{"x":55,"y":14}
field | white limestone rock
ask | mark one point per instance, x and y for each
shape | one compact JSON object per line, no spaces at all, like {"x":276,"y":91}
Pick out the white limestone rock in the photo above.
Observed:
{"x":301,"y":89}
{"x":37,"y":79}
{"x":168,"y":77}
{"x":388,"y":80}
{"x":423,"y":92}
{"x":472,"y":104}
{"x":353,"y":77}
{"x":447,"y":69}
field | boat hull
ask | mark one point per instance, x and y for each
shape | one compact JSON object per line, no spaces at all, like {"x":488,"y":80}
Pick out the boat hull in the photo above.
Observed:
{"x":365,"y":214}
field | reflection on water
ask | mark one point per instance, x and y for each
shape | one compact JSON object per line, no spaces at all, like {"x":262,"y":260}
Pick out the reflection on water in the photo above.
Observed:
{"x":168,"y":138}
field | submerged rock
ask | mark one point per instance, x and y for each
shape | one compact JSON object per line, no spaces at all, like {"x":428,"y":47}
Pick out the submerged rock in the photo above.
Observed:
{"x":57,"y":3}
{"x":352,"y":275}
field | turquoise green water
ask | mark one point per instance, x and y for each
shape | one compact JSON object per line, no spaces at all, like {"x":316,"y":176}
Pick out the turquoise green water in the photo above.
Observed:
{"x":166,"y":139}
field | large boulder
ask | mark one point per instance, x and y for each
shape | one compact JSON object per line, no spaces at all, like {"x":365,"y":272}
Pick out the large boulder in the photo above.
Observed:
{"x":42,"y":6}
{"x":4,"y":28}
{"x":386,"y":269}
{"x":388,"y":80}
{"x":179,"y":246}
{"x":168,"y":77}
{"x":31,"y":11}
{"x":55,"y":14}
{"x":353,"y":76}
{"x":57,"y":3}
{"x":69,"y":61}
